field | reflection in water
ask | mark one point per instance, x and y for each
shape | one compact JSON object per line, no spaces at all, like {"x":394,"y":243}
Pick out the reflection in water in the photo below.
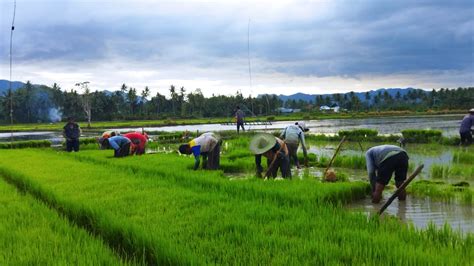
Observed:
{"x":449,"y":124}
{"x":422,"y":211}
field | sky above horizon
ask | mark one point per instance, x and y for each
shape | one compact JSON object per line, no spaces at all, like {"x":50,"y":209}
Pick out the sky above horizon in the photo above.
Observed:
{"x":295,"y":46}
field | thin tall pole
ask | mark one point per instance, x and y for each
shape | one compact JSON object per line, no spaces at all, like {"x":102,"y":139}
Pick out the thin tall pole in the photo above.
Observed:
{"x":10,"y":81}
{"x":250,"y":68}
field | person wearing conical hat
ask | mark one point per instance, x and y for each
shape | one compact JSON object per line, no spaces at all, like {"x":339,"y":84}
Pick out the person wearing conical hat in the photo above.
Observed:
{"x":293,"y":136}
{"x":276,"y":152}
{"x":208,"y":146}
{"x":465,"y":129}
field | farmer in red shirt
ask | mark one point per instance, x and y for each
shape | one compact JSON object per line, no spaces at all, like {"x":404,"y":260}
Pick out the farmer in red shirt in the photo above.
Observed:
{"x":139,"y":141}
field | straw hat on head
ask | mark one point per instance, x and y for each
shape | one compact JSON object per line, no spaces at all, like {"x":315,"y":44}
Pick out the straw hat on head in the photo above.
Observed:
{"x":262,"y":143}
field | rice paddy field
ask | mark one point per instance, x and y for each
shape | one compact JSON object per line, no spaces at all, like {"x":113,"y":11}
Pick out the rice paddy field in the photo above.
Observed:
{"x":88,"y":208}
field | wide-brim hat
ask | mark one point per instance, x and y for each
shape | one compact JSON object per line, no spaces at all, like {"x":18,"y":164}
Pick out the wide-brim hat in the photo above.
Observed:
{"x":471,"y":111}
{"x":262,"y":143}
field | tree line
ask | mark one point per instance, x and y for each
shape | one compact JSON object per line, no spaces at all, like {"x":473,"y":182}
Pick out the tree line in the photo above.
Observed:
{"x":413,"y":100}
{"x":33,"y":103}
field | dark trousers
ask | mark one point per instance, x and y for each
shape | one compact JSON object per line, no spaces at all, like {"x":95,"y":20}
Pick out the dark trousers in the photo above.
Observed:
{"x":211,"y":159}
{"x":293,"y":153}
{"x":466,"y":138}
{"x":397,"y":164}
{"x":240,"y":124}
{"x":123,"y":151}
{"x":72,"y":144}
{"x":282,"y":163}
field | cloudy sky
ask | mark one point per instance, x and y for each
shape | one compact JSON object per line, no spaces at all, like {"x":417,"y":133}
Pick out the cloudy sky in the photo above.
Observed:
{"x":295,"y":46}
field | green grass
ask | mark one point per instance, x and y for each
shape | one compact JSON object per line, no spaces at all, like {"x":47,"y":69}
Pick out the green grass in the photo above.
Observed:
{"x":456,"y":171}
{"x":25,"y":144}
{"x":181,"y":121}
{"x":466,"y":157}
{"x":32,"y":234}
{"x":443,"y":191}
{"x":159,"y":211}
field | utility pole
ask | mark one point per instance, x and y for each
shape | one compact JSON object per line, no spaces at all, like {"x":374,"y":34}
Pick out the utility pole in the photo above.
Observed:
{"x":10,"y":81}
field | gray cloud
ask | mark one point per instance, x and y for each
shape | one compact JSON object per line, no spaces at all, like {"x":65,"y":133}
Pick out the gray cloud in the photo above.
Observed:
{"x":340,"y":39}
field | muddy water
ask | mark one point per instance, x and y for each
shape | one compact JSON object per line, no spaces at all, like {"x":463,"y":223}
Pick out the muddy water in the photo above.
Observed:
{"x":419,"y":154}
{"x":422,"y":211}
{"x":419,"y":211}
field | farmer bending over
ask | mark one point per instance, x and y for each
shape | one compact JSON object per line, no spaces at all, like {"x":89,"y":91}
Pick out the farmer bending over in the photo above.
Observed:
{"x":293,"y":135}
{"x":206,"y":145}
{"x":276,"y":152}
{"x":382,"y":161}
{"x":120,"y":144}
{"x":138,"y":142}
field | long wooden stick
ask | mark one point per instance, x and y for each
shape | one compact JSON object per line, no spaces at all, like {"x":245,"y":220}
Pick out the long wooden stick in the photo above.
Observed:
{"x":334,"y":156}
{"x":270,"y":167}
{"x":404,"y":185}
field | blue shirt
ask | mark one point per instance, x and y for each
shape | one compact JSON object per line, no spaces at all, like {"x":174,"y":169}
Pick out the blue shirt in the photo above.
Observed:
{"x":117,"y":142}
{"x":466,"y":123}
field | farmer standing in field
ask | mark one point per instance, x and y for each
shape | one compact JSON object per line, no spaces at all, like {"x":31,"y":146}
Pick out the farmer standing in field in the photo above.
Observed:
{"x":382,"y":161}
{"x":120,"y":144}
{"x":293,"y":135}
{"x":465,"y":129}
{"x":276,"y":152}
{"x":72,"y":132}
{"x":139,"y":142}
{"x":239,"y":117}
{"x":208,"y":146}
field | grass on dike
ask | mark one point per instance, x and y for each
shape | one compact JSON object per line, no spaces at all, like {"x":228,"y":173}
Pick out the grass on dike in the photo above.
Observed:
{"x":32,"y":234}
{"x":158,"y":217}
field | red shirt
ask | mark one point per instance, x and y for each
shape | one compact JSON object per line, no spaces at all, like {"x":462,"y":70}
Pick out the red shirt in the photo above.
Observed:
{"x":137,"y":137}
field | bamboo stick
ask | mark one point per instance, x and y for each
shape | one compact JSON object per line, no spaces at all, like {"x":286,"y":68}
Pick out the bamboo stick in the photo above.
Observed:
{"x":404,"y":185}
{"x":334,"y":156}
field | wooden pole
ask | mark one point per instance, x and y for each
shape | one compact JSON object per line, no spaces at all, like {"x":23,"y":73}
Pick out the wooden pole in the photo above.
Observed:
{"x":404,"y":185}
{"x":270,"y":167}
{"x":334,"y":156}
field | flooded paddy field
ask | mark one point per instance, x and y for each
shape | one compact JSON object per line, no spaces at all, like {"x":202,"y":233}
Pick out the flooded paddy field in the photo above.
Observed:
{"x":449,"y":124}
{"x":155,"y":205}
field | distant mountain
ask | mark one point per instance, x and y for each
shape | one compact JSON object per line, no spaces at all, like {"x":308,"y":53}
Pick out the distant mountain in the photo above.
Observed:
{"x":4,"y":85}
{"x":361,"y":95}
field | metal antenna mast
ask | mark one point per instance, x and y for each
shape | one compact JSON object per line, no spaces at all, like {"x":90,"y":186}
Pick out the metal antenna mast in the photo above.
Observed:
{"x":10,"y":83}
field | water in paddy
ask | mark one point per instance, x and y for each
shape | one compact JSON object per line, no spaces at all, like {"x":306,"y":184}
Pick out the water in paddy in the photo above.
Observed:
{"x":449,"y":124}
{"x":421,"y":212}
{"x":418,"y":153}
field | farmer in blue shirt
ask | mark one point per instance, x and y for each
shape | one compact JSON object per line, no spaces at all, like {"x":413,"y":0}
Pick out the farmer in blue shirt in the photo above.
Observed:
{"x":382,"y":161}
{"x":465,"y":129}
{"x":120,"y":144}
{"x":208,"y":146}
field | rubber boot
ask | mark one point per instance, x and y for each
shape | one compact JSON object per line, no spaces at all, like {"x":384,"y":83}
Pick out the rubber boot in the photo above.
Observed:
{"x":377,"y":194}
